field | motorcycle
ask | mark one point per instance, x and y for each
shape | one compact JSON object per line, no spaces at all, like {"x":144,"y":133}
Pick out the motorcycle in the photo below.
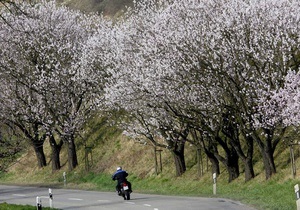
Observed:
{"x":125,"y":191}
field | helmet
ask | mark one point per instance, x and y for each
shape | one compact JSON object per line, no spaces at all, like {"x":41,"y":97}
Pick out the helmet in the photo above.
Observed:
{"x":119,"y":168}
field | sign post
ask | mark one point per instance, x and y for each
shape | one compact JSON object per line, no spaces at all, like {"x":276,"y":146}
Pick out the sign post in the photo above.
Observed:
{"x":214,"y":183}
{"x":38,"y":203}
{"x":296,"y":187}
{"x":65,"y":179}
{"x":50,"y":198}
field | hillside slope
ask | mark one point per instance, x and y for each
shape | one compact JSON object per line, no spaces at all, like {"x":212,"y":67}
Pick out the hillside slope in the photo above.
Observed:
{"x":100,"y":150}
{"x":109,"y":149}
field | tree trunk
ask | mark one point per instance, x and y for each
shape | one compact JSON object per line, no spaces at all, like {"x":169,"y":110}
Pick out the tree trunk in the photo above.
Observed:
{"x":268,"y":161}
{"x":249,"y":171}
{"x":231,"y":159}
{"x":233,"y":166}
{"x":178,"y":153}
{"x":266,"y":151}
{"x":56,"y":148}
{"x":269,"y":151}
{"x":246,"y":159}
{"x":208,"y":150}
{"x":214,"y":162}
{"x":36,"y":139}
{"x":39,"y":152}
{"x":72,"y":155}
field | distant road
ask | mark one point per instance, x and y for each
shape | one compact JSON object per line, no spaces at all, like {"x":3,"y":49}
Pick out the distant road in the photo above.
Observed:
{"x":93,"y":200}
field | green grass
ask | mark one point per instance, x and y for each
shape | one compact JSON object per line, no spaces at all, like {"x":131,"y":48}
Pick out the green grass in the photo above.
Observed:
{"x":6,"y":206}
{"x":268,"y":195}
{"x":110,"y":149}
{"x":264,"y":195}
{"x":274,"y":194}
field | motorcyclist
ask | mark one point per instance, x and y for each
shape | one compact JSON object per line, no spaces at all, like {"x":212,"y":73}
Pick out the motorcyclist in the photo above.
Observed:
{"x":120,"y":175}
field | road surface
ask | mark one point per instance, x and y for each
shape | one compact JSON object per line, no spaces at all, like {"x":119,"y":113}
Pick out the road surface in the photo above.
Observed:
{"x":93,"y":200}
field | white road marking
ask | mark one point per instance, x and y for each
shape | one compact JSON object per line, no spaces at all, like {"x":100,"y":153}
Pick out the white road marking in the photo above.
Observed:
{"x":19,"y":195}
{"x":155,"y":209}
{"x":75,"y":199}
{"x":147,"y":205}
{"x":132,"y":203}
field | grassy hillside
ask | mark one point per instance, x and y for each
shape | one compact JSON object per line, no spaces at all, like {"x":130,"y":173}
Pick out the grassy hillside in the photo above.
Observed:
{"x":110,"y":149}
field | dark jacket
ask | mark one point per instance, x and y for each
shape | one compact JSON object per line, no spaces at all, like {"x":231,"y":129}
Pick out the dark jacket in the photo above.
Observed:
{"x":120,"y":176}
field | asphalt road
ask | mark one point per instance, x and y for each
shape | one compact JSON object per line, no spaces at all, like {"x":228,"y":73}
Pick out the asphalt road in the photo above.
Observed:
{"x":92,"y":200}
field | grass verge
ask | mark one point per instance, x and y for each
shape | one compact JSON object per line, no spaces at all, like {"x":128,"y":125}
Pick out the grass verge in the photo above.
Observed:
{"x":6,"y":206}
{"x":111,"y":149}
{"x":274,"y":194}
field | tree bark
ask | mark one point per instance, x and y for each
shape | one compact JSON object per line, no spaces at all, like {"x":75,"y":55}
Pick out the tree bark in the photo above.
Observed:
{"x":233,"y":166}
{"x":56,"y":148}
{"x":268,"y":161}
{"x":246,"y":159}
{"x":231,"y":159}
{"x":178,"y":153}
{"x":36,"y":139}
{"x":72,"y":154}
{"x":267,"y":149}
{"x":214,"y":162}
{"x":208,"y":150}
{"x":39,"y":152}
{"x":249,"y":171}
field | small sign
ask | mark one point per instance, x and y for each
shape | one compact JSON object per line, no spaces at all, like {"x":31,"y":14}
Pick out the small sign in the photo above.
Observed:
{"x":214,"y":175}
{"x":296,"y":187}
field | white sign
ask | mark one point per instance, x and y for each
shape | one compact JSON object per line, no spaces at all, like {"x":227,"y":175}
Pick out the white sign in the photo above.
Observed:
{"x":296,"y":187}
{"x":214,"y":175}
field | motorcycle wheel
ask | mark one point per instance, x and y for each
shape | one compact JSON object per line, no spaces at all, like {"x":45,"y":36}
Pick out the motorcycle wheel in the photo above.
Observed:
{"x":123,"y":194}
{"x":127,"y":195}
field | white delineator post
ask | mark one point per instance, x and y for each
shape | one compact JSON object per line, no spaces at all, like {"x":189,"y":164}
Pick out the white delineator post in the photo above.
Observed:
{"x":65,"y":178}
{"x":214,"y":183}
{"x":38,"y":203}
{"x":296,"y":187}
{"x":50,"y":198}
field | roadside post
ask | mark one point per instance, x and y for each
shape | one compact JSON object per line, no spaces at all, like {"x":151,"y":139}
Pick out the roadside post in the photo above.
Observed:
{"x":296,"y":187}
{"x":214,"y":183}
{"x":65,"y":179}
{"x":50,"y":198}
{"x":38,"y":203}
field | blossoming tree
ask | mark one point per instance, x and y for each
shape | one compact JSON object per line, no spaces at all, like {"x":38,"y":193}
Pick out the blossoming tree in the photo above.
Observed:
{"x":41,"y":50}
{"x":205,"y":66}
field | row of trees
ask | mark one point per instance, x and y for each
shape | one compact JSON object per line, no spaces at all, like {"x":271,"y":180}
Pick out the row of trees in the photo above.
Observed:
{"x":204,"y":72}
{"x":46,"y":92}
{"x":222,"y":76}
